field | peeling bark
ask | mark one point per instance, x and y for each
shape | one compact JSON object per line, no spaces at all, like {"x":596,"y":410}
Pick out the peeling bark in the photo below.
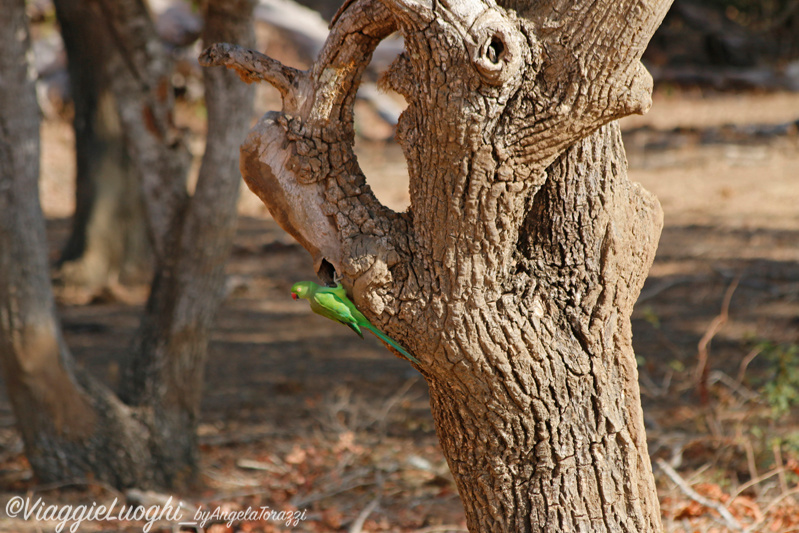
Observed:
{"x":513,"y":274}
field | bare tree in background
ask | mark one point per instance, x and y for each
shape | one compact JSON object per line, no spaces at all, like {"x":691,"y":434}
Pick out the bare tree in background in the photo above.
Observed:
{"x":513,"y":274}
{"x":109,"y":239}
{"x":73,"y":426}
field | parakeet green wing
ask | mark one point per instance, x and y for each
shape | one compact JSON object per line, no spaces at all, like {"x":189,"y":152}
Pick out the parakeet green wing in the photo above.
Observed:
{"x":333,"y":303}
{"x":331,"y":306}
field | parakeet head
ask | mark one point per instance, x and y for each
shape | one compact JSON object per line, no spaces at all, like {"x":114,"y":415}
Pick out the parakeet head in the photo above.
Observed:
{"x":300,"y":289}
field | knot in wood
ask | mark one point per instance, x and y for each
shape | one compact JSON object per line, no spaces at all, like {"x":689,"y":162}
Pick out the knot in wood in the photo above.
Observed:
{"x":496,"y":47}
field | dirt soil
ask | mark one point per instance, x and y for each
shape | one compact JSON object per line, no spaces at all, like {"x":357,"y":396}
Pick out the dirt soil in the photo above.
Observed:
{"x":300,"y":414}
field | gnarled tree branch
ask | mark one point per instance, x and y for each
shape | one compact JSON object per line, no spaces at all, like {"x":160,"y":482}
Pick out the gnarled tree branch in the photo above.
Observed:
{"x":254,"y":66}
{"x":312,"y":183}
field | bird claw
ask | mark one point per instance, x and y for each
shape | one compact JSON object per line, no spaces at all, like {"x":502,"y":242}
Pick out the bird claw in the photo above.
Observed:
{"x":337,"y":277}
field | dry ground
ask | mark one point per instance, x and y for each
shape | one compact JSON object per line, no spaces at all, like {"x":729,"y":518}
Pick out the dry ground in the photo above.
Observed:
{"x":301,"y":414}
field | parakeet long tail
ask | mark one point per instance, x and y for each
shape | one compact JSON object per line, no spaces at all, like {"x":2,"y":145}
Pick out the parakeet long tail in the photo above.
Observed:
{"x":391,"y":342}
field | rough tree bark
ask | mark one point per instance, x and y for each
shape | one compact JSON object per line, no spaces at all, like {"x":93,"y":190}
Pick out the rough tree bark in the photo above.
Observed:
{"x":55,"y":409}
{"x":139,"y":72}
{"x":166,"y":369}
{"x":72,"y":426}
{"x":514,"y":272}
{"x":109,"y":240}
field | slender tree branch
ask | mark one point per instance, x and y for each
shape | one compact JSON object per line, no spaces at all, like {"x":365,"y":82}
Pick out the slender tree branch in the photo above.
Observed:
{"x":357,"y":526}
{"x":254,"y":66}
{"x":702,"y":365}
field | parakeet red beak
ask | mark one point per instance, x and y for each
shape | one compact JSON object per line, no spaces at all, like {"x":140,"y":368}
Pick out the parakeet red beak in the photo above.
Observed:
{"x":294,"y":296}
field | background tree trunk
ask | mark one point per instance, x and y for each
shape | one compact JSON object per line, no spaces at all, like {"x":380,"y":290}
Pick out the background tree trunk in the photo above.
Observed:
{"x":139,"y":73}
{"x":109,"y":239}
{"x":169,"y":354}
{"x":513,"y":275}
{"x":72,"y":426}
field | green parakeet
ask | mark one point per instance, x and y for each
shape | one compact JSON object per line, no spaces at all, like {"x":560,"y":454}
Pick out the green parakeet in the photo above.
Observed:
{"x":332,"y":302}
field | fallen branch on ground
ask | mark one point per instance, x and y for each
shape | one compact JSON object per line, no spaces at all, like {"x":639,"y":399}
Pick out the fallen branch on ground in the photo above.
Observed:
{"x":727,"y":518}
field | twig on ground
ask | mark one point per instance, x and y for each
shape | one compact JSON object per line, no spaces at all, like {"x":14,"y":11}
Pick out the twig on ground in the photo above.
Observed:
{"x":713,"y":423}
{"x":778,"y":499}
{"x":664,"y":285}
{"x":250,"y":464}
{"x":149,"y":498}
{"x":717,"y":376}
{"x":382,"y":417}
{"x":697,"y":475}
{"x":701,"y":374}
{"x":77,"y":483}
{"x":450,"y":528}
{"x":767,"y":510}
{"x":754,"y":481}
{"x":227,"y":439}
{"x":649,"y":387}
{"x":745,"y":363}
{"x":775,"y":448}
{"x":727,"y":518}
{"x":751,"y":464}
{"x":311,"y":498}
{"x":357,"y":526}
{"x":230,"y":480}
{"x":233,"y":495}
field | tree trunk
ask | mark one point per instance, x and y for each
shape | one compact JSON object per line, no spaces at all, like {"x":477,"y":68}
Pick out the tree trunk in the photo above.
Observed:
{"x":166,"y":369}
{"x":109,"y":239}
{"x":513,"y":275}
{"x":72,"y":426}
{"x":139,"y":72}
{"x":550,"y":435}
